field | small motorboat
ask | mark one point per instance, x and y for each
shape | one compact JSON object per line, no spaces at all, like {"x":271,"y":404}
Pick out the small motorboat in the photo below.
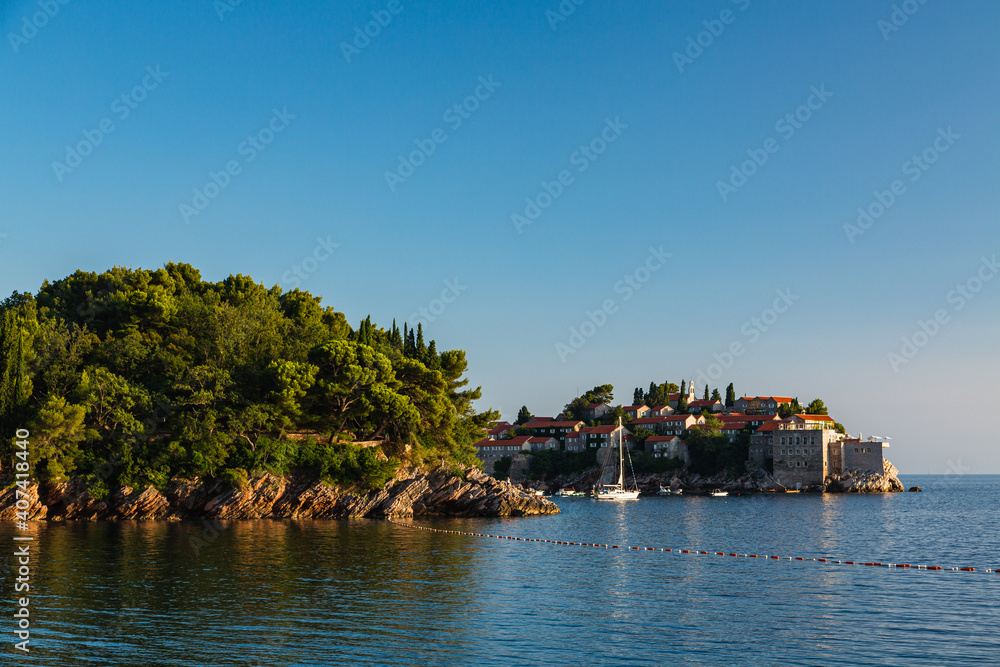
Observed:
{"x":718,"y":493}
{"x":664,"y":491}
{"x":569,"y":492}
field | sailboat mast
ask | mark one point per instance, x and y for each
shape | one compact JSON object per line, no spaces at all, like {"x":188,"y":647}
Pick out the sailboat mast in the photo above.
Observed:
{"x":621,"y":456}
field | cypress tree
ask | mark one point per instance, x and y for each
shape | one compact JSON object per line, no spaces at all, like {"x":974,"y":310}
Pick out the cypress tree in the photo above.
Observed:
{"x":706,"y":393}
{"x":730,"y":396}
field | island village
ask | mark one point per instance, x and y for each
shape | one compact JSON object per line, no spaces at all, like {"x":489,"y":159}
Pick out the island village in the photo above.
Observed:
{"x":775,"y":443}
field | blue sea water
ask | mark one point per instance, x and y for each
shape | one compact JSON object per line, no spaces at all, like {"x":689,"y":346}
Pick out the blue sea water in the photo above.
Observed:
{"x":370,"y":592}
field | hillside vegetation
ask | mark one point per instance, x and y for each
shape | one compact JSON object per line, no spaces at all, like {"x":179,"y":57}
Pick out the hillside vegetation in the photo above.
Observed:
{"x":130,"y":377}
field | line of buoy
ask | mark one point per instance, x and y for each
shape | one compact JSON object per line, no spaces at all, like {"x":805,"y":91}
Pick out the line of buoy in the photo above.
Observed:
{"x":830,"y":561}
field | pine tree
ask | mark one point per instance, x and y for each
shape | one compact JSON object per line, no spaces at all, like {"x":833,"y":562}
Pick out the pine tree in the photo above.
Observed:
{"x":716,"y":396}
{"x":523,"y":415}
{"x":421,"y":349}
{"x":653,"y":397}
{"x":637,"y":397}
{"x":394,"y":338}
{"x":410,"y":347}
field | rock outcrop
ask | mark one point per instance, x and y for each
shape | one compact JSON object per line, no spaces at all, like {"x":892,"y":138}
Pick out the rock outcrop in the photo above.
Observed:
{"x":412,"y":492}
{"x":867,"y":481}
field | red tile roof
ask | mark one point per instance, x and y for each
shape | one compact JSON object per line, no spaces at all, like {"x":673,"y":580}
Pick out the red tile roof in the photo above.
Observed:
{"x":633,"y":408}
{"x":551,"y":424}
{"x":642,"y":421}
{"x":611,"y":428}
{"x":815,"y":418}
{"x":702,"y":403}
{"x":539,"y":440}
{"x":776,"y":399}
{"x":771,"y":425}
{"x":513,"y":442}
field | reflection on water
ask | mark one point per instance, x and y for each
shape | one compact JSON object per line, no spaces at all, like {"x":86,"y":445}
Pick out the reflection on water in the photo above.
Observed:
{"x":368,"y":592}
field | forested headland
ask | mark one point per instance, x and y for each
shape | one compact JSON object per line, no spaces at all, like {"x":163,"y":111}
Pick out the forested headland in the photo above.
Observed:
{"x":131,"y":377}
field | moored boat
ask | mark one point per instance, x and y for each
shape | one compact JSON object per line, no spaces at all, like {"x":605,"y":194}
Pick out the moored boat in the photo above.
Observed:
{"x":618,"y":491}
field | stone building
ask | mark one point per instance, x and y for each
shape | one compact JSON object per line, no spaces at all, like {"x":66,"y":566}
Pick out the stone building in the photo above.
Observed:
{"x":669,"y":447}
{"x":802,"y":453}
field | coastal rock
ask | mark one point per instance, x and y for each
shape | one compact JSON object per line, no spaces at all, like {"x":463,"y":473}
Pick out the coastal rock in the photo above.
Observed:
{"x":36,"y":509}
{"x":146,"y":504}
{"x":412,"y":492}
{"x":71,"y":500}
{"x":916,"y":489}
{"x":867,"y":481}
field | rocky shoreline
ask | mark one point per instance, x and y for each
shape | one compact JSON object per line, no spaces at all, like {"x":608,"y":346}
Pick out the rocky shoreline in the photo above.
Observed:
{"x":852,"y":481}
{"x":411,"y":492}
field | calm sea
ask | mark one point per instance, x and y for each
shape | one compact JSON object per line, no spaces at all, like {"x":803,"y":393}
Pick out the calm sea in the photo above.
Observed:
{"x":368,"y":592}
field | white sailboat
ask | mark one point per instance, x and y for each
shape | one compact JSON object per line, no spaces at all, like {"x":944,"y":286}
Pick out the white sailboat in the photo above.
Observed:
{"x":617,"y":491}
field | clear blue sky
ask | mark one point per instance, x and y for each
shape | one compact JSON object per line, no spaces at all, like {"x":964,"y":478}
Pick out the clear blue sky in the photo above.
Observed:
{"x":679,"y":133}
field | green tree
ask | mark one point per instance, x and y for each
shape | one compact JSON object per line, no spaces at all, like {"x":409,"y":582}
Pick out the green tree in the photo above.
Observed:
{"x":730,"y":396}
{"x":347,"y":373}
{"x":705,"y":396}
{"x":57,"y":430}
{"x":523,"y":415}
{"x":716,"y":396}
{"x":816,"y":407}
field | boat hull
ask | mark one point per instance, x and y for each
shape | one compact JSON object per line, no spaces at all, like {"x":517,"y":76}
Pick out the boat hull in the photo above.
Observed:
{"x":623,"y":495}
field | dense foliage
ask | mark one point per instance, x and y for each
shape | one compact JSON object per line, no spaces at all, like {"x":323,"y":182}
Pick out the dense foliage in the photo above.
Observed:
{"x":577,"y":408}
{"x":711,"y":452}
{"x":549,"y":463}
{"x":133,"y":376}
